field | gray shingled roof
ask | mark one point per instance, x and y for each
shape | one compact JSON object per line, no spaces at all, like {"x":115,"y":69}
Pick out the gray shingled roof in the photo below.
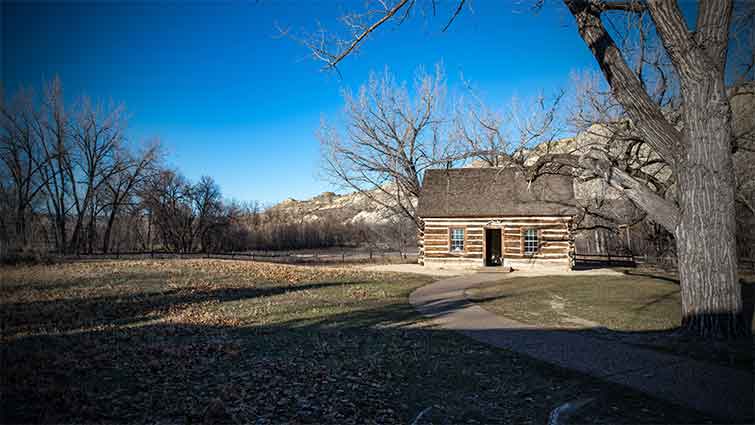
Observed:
{"x":492,"y":192}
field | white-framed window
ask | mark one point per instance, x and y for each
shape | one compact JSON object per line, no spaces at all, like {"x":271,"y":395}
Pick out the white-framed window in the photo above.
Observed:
{"x":530,"y":241}
{"x":457,"y":240}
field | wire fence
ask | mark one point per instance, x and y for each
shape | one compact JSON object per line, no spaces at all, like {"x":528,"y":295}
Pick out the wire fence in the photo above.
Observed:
{"x":362,"y":255}
{"x":588,"y":261}
{"x":671,"y":263}
{"x":329,"y":256}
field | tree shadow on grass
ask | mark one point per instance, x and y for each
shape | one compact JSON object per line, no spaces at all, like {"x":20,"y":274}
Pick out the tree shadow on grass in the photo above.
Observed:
{"x":377,"y":363}
{"x":51,"y":286}
{"x":609,"y":354}
{"x":74,"y":313}
{"x":736,"y":353}
{"x":659,"y":299}
{"x":659,"y":276}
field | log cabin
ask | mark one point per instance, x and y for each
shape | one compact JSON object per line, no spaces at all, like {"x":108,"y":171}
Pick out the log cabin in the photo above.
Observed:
{"x":493,"y":216}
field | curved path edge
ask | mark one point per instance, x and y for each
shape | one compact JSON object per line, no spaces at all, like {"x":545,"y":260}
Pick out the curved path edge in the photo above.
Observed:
{"x":720,"y":391}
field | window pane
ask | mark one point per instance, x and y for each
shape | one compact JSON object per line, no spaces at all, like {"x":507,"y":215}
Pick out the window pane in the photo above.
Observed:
{"x":530,"y":241}
{"x":457,"y":240}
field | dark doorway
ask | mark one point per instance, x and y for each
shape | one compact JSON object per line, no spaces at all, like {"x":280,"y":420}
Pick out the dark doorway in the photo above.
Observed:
{"x":493,"y":253}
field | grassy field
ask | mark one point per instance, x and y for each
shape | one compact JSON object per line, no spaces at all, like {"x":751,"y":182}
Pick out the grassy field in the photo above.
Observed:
{"x":240,"y":342}
{"x":638,"y":308}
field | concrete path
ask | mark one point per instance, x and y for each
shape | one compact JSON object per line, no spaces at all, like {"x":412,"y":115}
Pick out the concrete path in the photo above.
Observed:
{"x":720,"y":391}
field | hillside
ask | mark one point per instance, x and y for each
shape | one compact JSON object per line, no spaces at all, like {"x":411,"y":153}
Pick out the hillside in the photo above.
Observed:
{"x":351,"y":208}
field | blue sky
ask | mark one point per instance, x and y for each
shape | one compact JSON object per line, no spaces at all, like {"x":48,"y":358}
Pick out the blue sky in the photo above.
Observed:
{"x":230,"y":98}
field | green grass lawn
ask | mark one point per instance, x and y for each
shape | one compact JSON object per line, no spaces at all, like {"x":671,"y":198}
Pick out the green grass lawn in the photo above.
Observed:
{"x":187,"y":341}
{"x":638,"y":308}
{"x":625,"y":303}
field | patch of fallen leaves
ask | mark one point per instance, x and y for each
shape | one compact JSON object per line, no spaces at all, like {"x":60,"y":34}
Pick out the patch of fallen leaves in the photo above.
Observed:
{"x":89,"y":295}
{"x":200,"y":314}
{"x":241,"y":342}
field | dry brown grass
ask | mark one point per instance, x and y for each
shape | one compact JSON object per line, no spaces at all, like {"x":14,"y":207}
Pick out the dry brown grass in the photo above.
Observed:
{"x":243,"y":342}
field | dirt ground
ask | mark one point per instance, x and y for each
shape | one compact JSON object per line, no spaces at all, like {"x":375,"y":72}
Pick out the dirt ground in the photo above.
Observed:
{"x":416,"y":269}
{"x":520,"y":269}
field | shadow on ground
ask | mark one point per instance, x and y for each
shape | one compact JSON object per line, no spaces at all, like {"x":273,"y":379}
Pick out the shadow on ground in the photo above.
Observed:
{"x":373,"y":364}
{"x":92,"y":312}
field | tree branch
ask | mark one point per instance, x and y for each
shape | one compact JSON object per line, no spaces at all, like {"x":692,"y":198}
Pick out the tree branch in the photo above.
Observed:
{"x":660,"y":210}
{"x":453,"y":17}
{"x":358,"y":39}
{"x":645,"y":114}
{"x":711,"y":29}
{"x":625,"y":6}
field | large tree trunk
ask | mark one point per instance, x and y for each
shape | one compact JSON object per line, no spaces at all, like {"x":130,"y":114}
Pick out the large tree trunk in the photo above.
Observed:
{"x":60,"y":221}
{"x":92,"y":228}
{"x":21,"y":236}
{"x":704,"y":224}
{"x":108,"y":230}
{"x":706,"y":234}
{"x":75,"y":242}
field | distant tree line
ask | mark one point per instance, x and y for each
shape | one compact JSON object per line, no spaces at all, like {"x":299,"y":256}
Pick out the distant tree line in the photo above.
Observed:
{"x":72,"y":181}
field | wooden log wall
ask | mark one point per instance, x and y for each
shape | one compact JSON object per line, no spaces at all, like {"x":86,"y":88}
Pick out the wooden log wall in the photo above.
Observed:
{"x":554,"y":237}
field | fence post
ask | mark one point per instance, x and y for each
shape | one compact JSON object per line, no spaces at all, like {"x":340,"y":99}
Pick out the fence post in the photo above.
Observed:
{"x":343,"y":256}
{"x":370,"y":254}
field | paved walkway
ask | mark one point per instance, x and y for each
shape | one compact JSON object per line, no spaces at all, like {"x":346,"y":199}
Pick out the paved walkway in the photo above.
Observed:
{"x":723,"y":392}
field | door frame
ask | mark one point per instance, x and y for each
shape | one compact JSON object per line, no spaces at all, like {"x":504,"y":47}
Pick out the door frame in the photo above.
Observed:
{"x":485,"y":246}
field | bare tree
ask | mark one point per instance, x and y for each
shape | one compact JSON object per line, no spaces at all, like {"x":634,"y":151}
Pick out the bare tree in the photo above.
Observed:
{"x":482,"y":131}
{"x":121,"y":187}
{"x":391,"y":138}
{"x":208,"y":210}
{"x":510,"y":136}
{"x":98,"y":188}
{"x":53,"y":132}
{"x":167,"y":198}
{"x":22,"y":159}
{"x":184,"y":213}
{"x":699,"y":152}
{"x":98,"y":135}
